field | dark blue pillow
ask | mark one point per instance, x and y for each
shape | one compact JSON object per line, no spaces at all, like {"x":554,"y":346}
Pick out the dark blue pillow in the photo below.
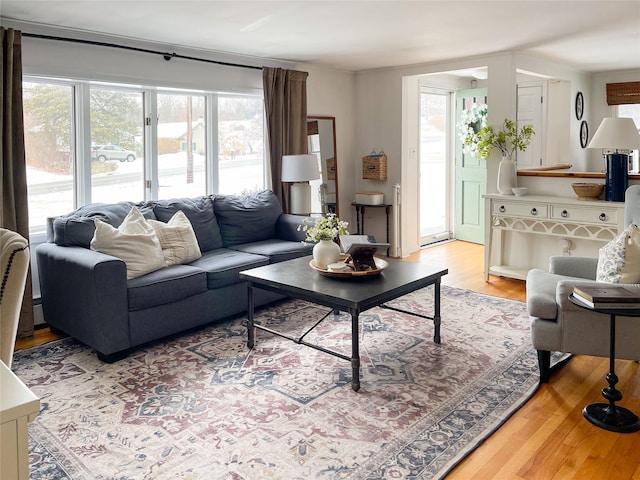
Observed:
{"x":248,"y":218}
{"x":199,"y":211}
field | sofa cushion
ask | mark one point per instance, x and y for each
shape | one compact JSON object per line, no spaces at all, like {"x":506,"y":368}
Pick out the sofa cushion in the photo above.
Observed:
{"x":619,"y":260}
{"x":165,"y":286}
{"x":223,"y":266}
{"x":248,"y":218}
{"x":199,"y":211}
{"x":134,"y":242}
{"x":177,"y":239}
{"x":76,"y":229}
{"x":276,"y":250}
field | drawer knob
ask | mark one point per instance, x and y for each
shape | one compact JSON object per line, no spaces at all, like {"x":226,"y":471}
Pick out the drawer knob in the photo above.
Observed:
{"x":603,"y":217}
{"x":534,"y":211}
{"x":502,"y":209}
{"x":564,"y":214}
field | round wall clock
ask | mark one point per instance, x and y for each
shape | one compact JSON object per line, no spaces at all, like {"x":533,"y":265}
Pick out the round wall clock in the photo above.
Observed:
{"x":579,"y":105}
{"x":584,"y":134}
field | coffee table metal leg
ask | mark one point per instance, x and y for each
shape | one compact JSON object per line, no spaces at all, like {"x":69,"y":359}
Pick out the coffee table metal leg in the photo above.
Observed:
{"x":250,"y":328}
{"x":436,"y":313}
{"x":355,"y":351}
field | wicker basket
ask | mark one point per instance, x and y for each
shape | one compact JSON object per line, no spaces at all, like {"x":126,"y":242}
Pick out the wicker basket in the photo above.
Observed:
{"x":374,"y":167}
{"x":588,"y":191}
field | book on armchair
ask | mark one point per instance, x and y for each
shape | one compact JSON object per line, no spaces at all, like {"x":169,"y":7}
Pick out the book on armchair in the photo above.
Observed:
{"x":615,"y":296}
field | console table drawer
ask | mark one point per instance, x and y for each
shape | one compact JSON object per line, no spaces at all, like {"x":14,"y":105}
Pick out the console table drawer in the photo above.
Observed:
{"x":520,"y":209}
{"x":599,"y":216}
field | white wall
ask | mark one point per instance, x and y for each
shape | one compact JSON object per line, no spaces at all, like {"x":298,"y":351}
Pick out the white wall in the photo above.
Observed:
{"x":331,"y":93}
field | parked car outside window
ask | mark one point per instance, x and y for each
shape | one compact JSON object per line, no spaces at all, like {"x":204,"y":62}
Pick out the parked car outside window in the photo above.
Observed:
{"x":102,"y":153}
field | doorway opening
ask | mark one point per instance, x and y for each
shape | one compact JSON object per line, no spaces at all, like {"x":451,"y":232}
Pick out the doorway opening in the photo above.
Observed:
{"x":434,"y":167}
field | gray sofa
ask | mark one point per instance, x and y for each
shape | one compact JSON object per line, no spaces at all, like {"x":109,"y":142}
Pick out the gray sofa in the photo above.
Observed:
{"x":86,"y":293}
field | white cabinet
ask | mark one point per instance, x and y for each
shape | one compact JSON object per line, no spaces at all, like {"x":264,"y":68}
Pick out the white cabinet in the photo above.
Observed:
{"x":565,"y":217}
{"x":18,"y":407}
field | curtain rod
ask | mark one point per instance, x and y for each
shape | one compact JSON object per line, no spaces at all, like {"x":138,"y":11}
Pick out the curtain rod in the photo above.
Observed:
{"x":167,"y":56}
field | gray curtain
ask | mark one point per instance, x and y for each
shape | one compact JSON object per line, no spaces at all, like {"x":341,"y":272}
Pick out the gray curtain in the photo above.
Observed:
{"x":285,"y":101}
{"x":13,"y":171}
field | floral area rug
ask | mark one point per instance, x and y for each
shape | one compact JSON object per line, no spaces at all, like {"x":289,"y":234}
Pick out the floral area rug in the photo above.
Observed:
{"x":202,"y":406}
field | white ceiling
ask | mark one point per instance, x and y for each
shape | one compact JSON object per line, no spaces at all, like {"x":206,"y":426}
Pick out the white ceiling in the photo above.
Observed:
{"x":591,"y":36}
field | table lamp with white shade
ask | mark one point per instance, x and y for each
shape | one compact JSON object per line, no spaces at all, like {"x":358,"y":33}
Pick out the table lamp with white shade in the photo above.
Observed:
{"x":616,"y":133}
{"x":299,"y":169}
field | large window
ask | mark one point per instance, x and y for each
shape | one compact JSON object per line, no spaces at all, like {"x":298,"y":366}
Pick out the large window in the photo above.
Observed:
{"x":240,"y":144}
{"x":89,"y":142}
{"x":632,"y":111}
{"x":182,"y":145}
{"x":50,"y":149}
{"x":117,"y":154}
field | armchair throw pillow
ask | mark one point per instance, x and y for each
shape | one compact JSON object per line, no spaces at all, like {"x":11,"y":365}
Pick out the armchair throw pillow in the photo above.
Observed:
{"x":134,"y":242}
{"x":177,"y":239}
{"x":619,"y":260}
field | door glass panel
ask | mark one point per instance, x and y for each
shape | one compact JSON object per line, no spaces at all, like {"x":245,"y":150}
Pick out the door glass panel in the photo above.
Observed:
{"x":181,"y":146}
{"x":117,"y":139}
{"x":240,"y":145}
{"x":433,"y":167}
{"x":48,"y":123}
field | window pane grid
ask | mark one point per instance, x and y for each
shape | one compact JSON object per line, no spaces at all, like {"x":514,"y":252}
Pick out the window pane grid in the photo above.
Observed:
{"x":87,"y":141}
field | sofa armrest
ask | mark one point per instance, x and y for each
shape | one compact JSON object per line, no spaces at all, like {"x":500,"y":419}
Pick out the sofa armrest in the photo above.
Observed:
{"x":581,"y":267}
{"x":84,"y":294}
{"x":287,"y":227}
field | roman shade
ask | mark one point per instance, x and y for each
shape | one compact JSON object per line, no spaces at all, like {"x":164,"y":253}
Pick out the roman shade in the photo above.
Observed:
{"x":623,"y":93}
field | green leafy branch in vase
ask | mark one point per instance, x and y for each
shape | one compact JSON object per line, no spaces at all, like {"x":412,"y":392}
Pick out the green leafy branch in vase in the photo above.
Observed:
{"x":507,"y":140}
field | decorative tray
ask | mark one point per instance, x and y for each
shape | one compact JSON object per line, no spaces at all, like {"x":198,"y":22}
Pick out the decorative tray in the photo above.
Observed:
{"x":350,"y":273}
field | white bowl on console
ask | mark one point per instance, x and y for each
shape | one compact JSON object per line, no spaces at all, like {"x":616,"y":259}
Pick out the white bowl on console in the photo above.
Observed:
{"x":519,"y":191}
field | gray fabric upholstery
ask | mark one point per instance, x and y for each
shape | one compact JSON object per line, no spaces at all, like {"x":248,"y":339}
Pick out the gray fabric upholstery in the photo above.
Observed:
{"x":247,"y":218}
{"x":199,"y":211}
{"x":222,"y":266}
{"x":580,"y":267}
{"x":287,"y":227}
{"x":86,"y":294}
{"x":77,"y":228}
{"x":166,"y":285}
{"x":558,"y":325}
{"x":275,"y":250}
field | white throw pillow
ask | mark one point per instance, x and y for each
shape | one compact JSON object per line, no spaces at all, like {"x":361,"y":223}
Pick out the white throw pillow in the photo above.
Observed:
{"x":619,"y":260}
{"x":134,"y":242}
{"x":177,"y":239}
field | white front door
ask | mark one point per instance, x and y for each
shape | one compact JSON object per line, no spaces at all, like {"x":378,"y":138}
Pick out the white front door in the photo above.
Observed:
{"x":435,"y":171}
{"x":530,"y":112}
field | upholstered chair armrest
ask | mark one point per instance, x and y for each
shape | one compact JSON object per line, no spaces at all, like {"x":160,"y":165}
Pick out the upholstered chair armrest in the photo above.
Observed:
{"x":287,"y":227}
{"x":84,"y":293}
{"x":581,"y":267}
{"x":541,"y":294}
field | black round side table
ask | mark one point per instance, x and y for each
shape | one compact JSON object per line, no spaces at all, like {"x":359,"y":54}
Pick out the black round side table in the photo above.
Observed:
{"x":609,"y":415}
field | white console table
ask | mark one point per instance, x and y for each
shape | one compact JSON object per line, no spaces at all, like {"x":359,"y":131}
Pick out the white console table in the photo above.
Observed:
{"x":545,"y":215}
{"x":18,"y":407}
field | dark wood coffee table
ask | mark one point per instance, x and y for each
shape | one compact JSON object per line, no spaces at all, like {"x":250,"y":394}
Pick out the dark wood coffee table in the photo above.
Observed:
{"x":295,"y":278}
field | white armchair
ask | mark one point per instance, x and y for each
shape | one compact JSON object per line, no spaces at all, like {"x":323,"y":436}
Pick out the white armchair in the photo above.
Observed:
{"x":557,"y":325}
{"x":14,"y":265}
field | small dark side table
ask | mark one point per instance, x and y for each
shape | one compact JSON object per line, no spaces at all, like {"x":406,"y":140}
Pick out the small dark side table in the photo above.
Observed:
{"x":609,"y":415}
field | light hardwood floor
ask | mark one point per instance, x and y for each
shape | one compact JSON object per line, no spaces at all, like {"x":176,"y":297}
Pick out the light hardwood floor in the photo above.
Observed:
{"x":548,"y":438}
